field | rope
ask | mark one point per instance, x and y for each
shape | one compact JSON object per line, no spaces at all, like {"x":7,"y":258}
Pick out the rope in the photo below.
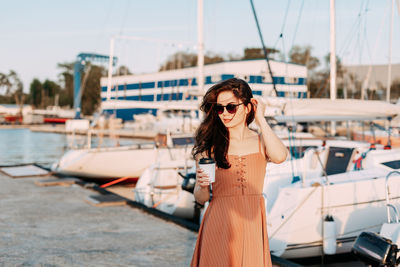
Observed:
{"x":115,"y":181}
{"x":298,"y":22}
{"x":283,"y":24}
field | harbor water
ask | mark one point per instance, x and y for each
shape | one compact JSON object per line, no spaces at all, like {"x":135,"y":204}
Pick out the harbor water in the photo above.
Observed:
{"x":22,"y":146}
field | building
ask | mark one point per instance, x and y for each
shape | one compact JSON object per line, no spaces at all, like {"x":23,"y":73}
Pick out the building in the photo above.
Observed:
{"x":178,"y":89}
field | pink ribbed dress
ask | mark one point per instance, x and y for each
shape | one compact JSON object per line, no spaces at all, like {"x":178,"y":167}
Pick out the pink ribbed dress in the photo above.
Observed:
{"x":233,"y":231}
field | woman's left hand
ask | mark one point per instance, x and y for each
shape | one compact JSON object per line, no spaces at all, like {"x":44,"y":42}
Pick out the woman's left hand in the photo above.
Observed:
{"x":259,"y":107}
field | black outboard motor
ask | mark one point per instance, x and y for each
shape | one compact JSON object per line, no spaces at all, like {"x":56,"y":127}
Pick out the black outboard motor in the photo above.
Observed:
{"x":189,"y":181}
{"x":375,"y":250}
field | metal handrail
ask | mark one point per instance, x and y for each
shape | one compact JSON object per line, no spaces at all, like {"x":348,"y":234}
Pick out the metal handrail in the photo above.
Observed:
{"x":388,"y":205}
{"x":316,"y":150}
{"x":396,"y":212}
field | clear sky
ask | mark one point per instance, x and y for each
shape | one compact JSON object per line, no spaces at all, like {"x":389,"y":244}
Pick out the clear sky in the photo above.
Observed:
{"x":36,"y":35}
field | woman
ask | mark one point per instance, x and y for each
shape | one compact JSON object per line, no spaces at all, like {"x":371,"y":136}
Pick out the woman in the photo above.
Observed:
{"x":233,"y":230}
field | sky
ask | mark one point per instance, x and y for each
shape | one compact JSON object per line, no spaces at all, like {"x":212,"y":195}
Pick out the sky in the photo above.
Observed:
{"x":37,"y":35}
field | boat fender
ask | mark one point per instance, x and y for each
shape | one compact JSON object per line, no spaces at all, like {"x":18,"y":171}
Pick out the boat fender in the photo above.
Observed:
{"x":329,"y":243}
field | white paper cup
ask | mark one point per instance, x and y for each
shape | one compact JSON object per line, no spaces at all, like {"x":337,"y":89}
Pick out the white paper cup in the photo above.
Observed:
{"x":208,"y":166}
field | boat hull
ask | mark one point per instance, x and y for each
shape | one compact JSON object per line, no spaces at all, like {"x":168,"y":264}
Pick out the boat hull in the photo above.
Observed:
{"x":106,"y":164}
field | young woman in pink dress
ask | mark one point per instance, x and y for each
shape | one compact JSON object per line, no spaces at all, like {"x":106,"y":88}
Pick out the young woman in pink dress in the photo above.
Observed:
{"x":233,"y":230}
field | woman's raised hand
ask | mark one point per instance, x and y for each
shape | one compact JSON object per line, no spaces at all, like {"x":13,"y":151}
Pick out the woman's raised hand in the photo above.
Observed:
{"x":259,"y":106}
{"x":202,"y":178}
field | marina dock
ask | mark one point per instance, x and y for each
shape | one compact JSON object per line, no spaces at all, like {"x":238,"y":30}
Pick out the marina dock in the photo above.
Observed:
{"x":55,"y":226}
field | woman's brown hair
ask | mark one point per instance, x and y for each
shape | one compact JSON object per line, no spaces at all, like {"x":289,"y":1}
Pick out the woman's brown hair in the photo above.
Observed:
{"x":212,"y":137}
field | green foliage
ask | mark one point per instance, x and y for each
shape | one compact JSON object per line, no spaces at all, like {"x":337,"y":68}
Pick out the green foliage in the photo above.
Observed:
{"x":49,"y":93}
{"x":302,"y":55}
{"x":91,"y":89}
{"x":12,"y":88}
{"x":90,"y":86}
{"x":43,"y":94}
{"x":35,"y":92}
{"x":181,"y":60}
{"x":258,"y":53}
{"x":395,"y":90}
{"x":66,"y":84}
{"x":123,"y":70}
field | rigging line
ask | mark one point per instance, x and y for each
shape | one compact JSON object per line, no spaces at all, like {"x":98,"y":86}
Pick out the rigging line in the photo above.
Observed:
{"x":357,"y":25}
{"x":298,"y":22}
{"x":355,"y":47}
{"x":285,"y":17}
{"x":352,"y":31}
{"x":106,"y":21}
{"x":361,"y":48}
{"x":264,"y":49}
{"x":368,"y":47}
{"x":366,"y":80}
{"x":127,"y":5}
{"x":292,"y":129}
{"x":283,"y":24}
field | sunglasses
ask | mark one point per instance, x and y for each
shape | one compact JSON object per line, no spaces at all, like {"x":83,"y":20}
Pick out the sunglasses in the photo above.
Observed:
{"x":231,"y":108}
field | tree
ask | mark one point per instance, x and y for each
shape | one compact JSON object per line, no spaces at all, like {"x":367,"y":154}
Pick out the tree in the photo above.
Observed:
{"x":12,"y":87}
{"x":51,"y":92}
{"x":67,"y":84}
{"x":258,"y":53}
{"x":319,"y":80}
{"x":35,"y":92}
{"x":395,"y":90}
{"x":123,"y":70}
{"x":181,"y":60}
{"x":302,"y":55}
{"x":91,"y":88}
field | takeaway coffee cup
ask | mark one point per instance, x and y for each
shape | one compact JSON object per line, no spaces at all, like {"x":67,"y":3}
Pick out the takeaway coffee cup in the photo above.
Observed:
{"x":208,"y":166}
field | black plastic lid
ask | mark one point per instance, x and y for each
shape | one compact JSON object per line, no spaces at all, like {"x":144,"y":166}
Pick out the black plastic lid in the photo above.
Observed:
{"x":206,"y":161}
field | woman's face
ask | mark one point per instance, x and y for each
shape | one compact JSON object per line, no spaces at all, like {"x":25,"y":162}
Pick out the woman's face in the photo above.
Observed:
{"x":232,"y":119}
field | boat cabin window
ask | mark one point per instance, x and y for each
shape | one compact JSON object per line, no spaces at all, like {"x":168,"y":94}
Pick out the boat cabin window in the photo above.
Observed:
{"x":395,"y":164}
{"x":182,"y":141}
{"x":338,"y":160}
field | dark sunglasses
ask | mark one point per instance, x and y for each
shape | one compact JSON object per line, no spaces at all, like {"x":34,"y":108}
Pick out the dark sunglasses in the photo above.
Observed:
{"x":231,"y":108}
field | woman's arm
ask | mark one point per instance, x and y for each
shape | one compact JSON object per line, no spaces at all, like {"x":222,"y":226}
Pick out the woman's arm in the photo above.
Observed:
{"x":274,"y":149}
{"x":202,"y":187}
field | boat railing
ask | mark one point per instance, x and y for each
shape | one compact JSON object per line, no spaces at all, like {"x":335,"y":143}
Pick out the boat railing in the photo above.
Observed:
{"x":387,"y":196}
{"x":308,"y":155}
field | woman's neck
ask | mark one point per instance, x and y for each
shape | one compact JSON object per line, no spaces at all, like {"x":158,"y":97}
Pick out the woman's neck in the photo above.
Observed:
{"x":239,"y":132}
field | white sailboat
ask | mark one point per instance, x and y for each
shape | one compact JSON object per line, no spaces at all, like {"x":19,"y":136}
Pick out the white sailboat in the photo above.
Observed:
{"x":345,"y":181}
{"x":110,"y":163}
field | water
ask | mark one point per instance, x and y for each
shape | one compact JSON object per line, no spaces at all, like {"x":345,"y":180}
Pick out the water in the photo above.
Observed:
{"x":21,"y":146}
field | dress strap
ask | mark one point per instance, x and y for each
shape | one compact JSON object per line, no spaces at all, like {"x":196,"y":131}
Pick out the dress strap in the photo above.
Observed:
{"x":259,"y":144}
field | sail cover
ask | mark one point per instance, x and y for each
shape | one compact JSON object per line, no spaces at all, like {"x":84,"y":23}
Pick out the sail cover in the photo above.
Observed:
{"x":303,"y":110}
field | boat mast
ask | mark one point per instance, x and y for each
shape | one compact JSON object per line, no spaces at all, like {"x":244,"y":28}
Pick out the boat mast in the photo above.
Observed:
{"x":389,"y":78}
{"x":200,"y":48}
{"x":110,"y":69}
{"x":332,"y":59}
